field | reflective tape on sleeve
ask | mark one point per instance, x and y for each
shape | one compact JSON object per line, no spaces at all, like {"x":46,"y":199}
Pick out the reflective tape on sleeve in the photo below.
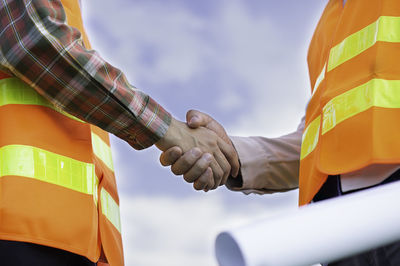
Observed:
{"x":376,"y":92}
{"x":39,"y":164}
{"x":310,"y":138}
{"x":14,"y":91}
{"x":102,"y":151}
{"x":110,"y":209}
{"x":385,"y":29}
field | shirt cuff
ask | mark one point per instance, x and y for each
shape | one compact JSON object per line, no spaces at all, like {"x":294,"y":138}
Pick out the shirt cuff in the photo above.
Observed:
{"x":153,"y":123}
{"x":257,"y":174}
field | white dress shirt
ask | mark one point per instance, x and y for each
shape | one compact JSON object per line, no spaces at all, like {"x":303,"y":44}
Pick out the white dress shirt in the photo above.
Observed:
{"x":271,"y":165}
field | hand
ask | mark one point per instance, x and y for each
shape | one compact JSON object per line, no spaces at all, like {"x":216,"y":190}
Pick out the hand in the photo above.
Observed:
{"x":196,"y":119}
{"x":212,"y":154}
{"x":175,"y":157}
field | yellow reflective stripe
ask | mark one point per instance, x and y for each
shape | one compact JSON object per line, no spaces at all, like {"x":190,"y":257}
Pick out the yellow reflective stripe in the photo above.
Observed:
{"x":310,"y":138}
{"x":385,"y":29}
{"x":32,"y":162}
{"x":376,"y":92}
{"x":319,"y":79}
{"x":14,"y":91}
{"x":102,"y":151}
{"x":110,"y":209}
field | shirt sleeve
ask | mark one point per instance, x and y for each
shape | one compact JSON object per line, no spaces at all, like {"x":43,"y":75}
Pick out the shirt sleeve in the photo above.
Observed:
{"x":39,"y":47}
{"x":268,"y":165}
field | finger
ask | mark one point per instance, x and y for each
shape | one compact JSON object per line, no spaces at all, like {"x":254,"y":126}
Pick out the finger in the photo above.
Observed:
{"x":186,"y":161}
{"x":198,"y":168}
{"x":218,"y":173}
{"x":170,"y":156}
{"x":196,"y":119}
{"x":231,"y":156}
{"x":225,"y":166}
{"x":204,"y":181}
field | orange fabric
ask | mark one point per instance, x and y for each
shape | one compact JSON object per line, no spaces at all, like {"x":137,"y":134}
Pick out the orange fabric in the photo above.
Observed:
{"x":48,"y":214}
{"x":74,"y":18}
{"x":101,"y":133}
{"x":109,"y":182}
{"x":320,"y":43}
{"x":369,"y":144}
{"x":47,"y":129}
{"x":379,"y":61}
{"x":310,"y":179}
{"x":368,"y":137}
{"x":39,"y":212}
{"x":112,"y":242}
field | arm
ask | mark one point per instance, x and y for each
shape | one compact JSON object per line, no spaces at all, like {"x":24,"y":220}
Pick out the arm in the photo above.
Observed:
{"x":39,"y":47}
{"x":268,"y":165}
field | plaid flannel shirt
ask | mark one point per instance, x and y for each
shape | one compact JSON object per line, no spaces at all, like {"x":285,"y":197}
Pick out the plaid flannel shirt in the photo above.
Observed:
{"x":37,"y":46}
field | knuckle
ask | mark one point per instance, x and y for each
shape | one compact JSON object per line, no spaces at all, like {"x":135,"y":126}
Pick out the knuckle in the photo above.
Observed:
{"x":184,"y":163}
{"x":219,"y":175}
{"x":227,"y":169}
{"x":223,"y":181}
{"x":217,"y":181}
{"x":200,"y":167}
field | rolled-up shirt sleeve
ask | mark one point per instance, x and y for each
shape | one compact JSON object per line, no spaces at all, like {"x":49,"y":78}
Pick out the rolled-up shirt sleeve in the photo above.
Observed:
{"x":40,"y":48}
{"x":268,"y":165}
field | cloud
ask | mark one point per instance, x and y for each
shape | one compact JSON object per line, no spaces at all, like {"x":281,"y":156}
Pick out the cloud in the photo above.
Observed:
{"x":159,"y":53}
{"x":173,"y":232}
{"x":230,"y":63}
{"x":248,"y":70}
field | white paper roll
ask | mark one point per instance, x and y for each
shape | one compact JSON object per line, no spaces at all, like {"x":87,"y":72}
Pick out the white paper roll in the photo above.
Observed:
{"x":320,"y":232}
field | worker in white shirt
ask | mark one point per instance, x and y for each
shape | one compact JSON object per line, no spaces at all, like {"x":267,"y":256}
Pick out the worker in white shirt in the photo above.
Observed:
{"x":348,"y":139}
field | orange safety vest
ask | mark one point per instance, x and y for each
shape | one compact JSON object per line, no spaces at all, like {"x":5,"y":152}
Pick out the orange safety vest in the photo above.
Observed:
{"x":352,"y":119}
{"x":57,"y":184}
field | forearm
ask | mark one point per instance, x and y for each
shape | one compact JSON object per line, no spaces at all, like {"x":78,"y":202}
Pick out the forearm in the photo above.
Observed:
{"x":42,"y":50}
{"x":268,"y":164}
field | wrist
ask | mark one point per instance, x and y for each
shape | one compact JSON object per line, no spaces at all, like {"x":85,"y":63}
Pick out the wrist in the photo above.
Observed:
{"x":171,"y":137}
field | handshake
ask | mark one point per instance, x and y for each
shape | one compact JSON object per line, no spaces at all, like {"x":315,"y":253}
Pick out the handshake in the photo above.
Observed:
{"x":200,"y":150}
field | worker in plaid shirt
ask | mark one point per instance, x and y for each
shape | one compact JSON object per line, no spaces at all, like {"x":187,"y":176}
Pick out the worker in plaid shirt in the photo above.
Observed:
{"x":39,"y":47}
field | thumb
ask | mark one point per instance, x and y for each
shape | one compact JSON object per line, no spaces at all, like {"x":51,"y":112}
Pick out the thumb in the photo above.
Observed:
{"x":196,"y":119}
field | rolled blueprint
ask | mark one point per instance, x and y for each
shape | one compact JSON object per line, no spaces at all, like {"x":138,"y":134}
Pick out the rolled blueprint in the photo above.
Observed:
{"x":318,"y":233}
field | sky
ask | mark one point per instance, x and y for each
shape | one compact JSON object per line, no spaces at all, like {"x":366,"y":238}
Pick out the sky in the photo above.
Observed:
{"x":241,"y":61}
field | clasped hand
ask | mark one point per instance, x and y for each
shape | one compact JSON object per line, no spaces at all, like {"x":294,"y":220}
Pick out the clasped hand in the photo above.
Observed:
{"x":200,"y":150}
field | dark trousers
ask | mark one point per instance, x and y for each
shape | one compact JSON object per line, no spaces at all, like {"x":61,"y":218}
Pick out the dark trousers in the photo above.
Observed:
{"x":388,"y":255}
{"x":384,"y":256}
{"x":14,"y":253}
